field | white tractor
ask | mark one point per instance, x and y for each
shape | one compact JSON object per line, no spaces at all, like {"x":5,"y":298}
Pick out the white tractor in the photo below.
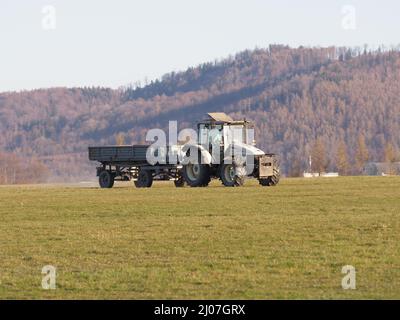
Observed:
{"x":226,"y":150}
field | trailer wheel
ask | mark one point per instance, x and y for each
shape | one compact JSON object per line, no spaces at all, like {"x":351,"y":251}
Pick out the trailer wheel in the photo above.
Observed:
{"x":196,"y":175}
{"x":232,"y":175}
{"x":106,"y":179}
{"x":145,"y":179}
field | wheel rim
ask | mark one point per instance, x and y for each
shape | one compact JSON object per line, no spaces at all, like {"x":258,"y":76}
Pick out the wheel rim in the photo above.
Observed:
{"x":229,"y":173}
{"x":193,"y":171}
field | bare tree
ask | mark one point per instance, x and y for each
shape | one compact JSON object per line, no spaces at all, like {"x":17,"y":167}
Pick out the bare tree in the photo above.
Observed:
{"x":120,"y":139}
{"x":342,"y":159}
{"x":318,"y":155}
{"x":390,"y":158}
{"x":362,"y":154}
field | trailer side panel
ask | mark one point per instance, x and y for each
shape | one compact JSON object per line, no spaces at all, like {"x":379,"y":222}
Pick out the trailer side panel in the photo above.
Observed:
{"x":133,"y":154}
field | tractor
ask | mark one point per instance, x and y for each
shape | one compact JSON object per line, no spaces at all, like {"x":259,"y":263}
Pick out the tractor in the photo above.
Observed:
{"x":226,"y":150}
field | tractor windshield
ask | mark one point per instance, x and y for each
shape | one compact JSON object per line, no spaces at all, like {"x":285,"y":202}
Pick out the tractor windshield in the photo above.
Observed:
{"x":235,"y":133}
{"x":210,"y":134}
{"x":215,"y":136}
{"x":218,"y":134}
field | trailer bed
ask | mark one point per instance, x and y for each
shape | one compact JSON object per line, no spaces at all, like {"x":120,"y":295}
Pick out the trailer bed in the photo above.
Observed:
{"x":133,"y":154}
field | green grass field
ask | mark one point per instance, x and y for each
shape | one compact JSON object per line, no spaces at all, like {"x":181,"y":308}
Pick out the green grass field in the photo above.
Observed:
{"x":289,"y":241}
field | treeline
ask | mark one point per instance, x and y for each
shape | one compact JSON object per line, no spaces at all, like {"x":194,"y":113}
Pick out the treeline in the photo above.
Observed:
{"x":17,"y":170}
{"x":319,"y":161}
{"x":298,"y":98}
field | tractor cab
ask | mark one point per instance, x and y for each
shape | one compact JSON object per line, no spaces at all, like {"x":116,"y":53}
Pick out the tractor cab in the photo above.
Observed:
{"x":220,"y":130}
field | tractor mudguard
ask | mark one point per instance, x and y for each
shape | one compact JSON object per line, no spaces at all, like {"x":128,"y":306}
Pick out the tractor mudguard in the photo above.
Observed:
{"x":205,"y":156}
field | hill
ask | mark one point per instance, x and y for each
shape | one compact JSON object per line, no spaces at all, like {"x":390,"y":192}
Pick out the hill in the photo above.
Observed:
{"x":339,"y":104}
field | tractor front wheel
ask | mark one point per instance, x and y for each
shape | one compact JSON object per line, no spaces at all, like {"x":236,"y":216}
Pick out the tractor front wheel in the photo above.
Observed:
{"x":232,"y":175}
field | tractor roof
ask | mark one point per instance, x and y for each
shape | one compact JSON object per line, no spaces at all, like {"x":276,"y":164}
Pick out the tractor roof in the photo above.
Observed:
{"x":221,"y":118}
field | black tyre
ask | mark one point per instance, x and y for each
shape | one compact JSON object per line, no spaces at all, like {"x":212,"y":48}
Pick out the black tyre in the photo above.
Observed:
{"x":207,"y":181}
{"x":272,"y":180}
{"x":196,"y":175}
{"x":144,"y":180}
{"x":106,"y":179}
{"x":232,"y":175}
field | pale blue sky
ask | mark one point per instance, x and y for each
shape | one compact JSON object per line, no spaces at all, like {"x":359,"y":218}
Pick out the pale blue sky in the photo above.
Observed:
{"x":114,"y":43}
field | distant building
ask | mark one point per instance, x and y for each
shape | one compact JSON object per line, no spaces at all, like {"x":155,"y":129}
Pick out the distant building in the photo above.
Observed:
{"x":381,"y":168}
{"x":324,"y":174}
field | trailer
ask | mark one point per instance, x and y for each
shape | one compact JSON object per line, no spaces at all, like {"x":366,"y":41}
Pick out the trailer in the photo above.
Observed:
{"x":126,"y":163}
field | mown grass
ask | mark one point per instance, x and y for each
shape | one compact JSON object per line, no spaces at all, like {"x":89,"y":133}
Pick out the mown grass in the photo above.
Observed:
{"x":289,"y":241}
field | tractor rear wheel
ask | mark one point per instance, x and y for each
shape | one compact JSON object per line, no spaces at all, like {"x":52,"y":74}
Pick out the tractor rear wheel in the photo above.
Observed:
{"x":106,"y":179}
{"x":196,"y":175}
{"x":232,"y":175}
{"x":144,"y":180}
{"x":272,"y":180}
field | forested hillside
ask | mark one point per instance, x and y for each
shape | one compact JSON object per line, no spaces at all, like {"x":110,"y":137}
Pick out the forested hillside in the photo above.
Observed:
{"x":340,"y":105}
